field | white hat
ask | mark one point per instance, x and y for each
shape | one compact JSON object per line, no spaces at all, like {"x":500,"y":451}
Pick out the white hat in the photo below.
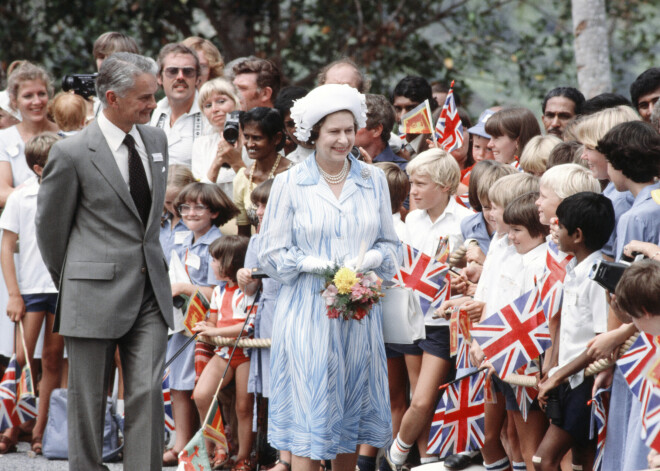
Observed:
{"x":6,"y":106}
{"x":324,"y":100}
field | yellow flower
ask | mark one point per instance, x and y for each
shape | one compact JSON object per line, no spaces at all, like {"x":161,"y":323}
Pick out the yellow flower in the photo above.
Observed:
{"x":344,"y":280}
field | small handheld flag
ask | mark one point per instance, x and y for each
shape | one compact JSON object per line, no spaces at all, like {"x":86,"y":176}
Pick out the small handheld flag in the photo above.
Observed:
{"x":418,"y":120}
{"x":449,"y":126}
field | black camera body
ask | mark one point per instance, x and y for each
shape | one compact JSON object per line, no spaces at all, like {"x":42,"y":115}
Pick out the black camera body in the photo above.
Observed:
{"x":258,"y":274}
{"x":232,"y":127}
{"x":607,"y":274}
{"x":81,"y":84}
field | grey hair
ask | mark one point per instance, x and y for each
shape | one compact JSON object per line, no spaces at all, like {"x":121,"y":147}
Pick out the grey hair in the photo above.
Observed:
{"x":118,"y":73}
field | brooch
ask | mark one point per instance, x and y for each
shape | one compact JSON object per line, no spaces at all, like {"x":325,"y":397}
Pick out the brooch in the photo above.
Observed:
{"x":365,"y":173}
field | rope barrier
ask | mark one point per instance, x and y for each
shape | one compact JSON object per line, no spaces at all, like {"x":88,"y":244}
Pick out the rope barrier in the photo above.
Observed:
{"x":242,"y":343}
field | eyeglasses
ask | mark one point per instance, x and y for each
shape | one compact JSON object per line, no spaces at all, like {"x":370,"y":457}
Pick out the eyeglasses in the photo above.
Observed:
{"x":188,"y":208}
{"x":173,"y":72}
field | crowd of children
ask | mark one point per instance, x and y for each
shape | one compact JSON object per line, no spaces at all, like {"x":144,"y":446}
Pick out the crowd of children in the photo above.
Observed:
{"x":509,"y":200}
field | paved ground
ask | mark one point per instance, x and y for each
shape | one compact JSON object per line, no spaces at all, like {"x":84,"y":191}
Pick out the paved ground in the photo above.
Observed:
{"x":20,"y":461}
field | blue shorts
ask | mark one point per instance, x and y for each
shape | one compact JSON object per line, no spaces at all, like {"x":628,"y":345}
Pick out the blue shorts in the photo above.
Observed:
{"x":40,"y":302}
{"x":576,"y":414}
{"x":397,"y":350}
{"x":436,"y":342}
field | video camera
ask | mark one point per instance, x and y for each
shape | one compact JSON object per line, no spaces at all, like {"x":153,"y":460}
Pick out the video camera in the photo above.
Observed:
{"x":81,"y":84}
{"x":232,"y":127}
{"x":607,"y":274}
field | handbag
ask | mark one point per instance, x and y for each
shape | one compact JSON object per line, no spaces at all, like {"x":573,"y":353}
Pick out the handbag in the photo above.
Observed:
{"x":403,"y":319}
{"x":56,"y":439}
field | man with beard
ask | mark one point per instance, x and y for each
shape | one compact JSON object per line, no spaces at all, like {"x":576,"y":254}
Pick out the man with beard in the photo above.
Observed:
{"x":560,"y":105}
{"x":178,"y":114}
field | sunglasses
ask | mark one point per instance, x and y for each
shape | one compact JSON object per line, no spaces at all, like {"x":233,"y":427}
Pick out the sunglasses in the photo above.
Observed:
{"x":173,"y":72}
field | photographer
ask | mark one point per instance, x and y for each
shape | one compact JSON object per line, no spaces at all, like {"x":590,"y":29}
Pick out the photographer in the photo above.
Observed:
{"x":214,"y":158}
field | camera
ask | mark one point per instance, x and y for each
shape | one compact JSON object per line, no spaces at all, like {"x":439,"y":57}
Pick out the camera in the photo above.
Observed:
{"x":231,"y":130}
{"x":607,"y":274}
{"x":258,"y":274}
{"x":81,"y":84}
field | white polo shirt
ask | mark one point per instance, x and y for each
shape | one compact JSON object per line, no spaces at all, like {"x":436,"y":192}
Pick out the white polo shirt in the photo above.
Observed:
{"x":182,"y":134}
{"x":19,"y":217}
{"x":424,"y":234}
{"x":583,"y":313}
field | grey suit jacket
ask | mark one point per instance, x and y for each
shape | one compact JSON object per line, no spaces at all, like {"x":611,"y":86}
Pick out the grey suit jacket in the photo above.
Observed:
{"x":92,"y":239}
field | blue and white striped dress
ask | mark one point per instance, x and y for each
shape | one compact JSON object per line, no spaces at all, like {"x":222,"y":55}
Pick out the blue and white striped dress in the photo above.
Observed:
{"x":329,"y":389}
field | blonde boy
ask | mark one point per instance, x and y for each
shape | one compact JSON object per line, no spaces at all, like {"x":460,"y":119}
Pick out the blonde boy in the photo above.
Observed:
{"x":434,"y":177}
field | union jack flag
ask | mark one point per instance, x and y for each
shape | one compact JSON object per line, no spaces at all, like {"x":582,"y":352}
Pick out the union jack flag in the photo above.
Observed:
{"x":167,"y":401}
{"x":651,"y":417}
{"x":464,"y":200}
{"x":26,"y":406}
{"x":428,"y":277}
{"x":8,"y":414}
{"x":449,"y":127}
{"x":514,"y":335}
{"x":600,"y":404}
{"x":637,"y":361}
{"x":458,"y":422}
{"x":552,"y":284}
{"x":526,"y":395}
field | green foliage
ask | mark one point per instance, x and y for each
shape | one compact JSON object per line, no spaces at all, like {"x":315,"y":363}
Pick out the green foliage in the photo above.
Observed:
{"x":496,"y":50}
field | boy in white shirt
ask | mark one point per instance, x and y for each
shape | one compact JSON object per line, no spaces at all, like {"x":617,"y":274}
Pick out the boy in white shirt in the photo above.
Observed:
{"x":586,"y":221}
{"x":434,"y":178}
{"x":32,"y":294}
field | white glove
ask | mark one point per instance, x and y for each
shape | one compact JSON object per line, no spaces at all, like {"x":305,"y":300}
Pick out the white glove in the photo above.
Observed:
{"x":372,"y":259}
{"x":311,"y":264}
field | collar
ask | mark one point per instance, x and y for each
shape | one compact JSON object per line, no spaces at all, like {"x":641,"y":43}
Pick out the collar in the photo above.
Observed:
{"x":212,"y":234}
{"x":113,"y":135}
{"x":388,"y":155}
{"x":534,"y":253}
{"x":307,"y":172}
{"x":581,"y":270}
{"x":31,"y":186}
{"x":645,"y":194}
{"x":450,"y":209}
{"x":163,"y":106}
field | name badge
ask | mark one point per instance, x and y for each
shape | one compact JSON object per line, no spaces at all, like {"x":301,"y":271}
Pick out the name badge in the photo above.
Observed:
{"x":158,"y":157}
{"x":180,"y":237}
{"x":193,"y":260}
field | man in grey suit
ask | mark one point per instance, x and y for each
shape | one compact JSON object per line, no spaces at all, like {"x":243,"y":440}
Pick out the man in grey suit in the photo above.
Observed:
{"x":98,"y":216}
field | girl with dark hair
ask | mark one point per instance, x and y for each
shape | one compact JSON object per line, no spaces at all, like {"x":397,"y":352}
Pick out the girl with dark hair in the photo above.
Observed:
{"x":263,"y":135}
{"x":510,"y":130}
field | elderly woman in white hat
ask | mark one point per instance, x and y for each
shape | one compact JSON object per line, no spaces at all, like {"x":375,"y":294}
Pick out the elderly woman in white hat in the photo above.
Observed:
{"x":328,"y":376}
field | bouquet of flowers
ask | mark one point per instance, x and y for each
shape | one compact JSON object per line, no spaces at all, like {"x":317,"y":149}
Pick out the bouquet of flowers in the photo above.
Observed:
{"x":350,"y":294}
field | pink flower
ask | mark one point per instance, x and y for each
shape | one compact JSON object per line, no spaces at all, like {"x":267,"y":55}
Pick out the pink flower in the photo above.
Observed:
{"x":370,"y":279}
{"x":330,"y":295}
{"x":333,"y":313}
{"x":358,"y":291}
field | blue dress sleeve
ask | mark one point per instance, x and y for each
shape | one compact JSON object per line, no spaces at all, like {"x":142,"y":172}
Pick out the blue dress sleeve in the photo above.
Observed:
{"x":278,"y":257}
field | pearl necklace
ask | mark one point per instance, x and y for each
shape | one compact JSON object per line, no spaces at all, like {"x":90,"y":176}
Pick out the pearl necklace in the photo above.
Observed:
{"x":338,"y":178}
{"x":272,"y":171}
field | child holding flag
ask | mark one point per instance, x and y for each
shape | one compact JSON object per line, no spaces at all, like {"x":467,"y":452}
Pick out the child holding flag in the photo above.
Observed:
{"x":227,"y":316}
{"x":32,"y":294}
{"x":203,"y":208}
{"x":434,"y":177}
{"x":586,"y":220}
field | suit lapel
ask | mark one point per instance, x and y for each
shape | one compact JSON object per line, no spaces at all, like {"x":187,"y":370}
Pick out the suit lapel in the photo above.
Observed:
{"x":156,"y":174}
{"x":104,"y":161}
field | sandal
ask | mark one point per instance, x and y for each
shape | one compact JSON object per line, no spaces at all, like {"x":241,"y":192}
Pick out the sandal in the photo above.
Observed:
{"x":242,"y":465}
{"x":286,"y":464}
{"x":8,"y":445}
{"x":220,"y":458}
{"x":37,"y":444}
{"x":170,"y":458}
